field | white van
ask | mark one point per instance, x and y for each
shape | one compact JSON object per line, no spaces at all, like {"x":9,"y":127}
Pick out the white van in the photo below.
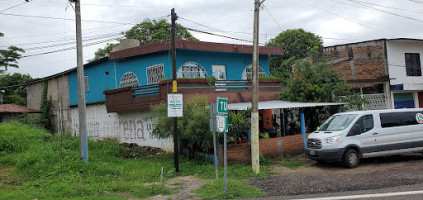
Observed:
{"x":348,"y":137}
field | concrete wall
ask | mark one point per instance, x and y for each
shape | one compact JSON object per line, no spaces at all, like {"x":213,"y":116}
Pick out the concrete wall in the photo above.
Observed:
{"x":130,"y":127}
{"x":396,"y":53}
{"x":58,"y":95}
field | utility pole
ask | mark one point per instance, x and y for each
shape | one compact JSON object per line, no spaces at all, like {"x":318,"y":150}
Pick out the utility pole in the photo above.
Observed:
{"x":255,"y":160}
{"x":83,"y":144}
{"x":174,"y":17}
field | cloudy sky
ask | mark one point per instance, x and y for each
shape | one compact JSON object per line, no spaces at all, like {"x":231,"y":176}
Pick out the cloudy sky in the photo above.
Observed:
{"x":46,"y":28}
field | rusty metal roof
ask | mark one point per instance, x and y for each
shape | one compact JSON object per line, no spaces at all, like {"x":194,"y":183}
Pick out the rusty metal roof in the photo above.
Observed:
{"x":11,"y":108}
{"x":193,"y":45}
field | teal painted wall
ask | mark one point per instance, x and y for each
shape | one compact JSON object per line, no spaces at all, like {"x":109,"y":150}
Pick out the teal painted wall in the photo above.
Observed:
{"x":98,"y":80}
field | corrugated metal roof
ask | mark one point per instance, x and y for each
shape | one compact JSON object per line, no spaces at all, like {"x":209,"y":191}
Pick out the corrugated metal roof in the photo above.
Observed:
{"x":275,"y":104}
{"x":11,"y":108}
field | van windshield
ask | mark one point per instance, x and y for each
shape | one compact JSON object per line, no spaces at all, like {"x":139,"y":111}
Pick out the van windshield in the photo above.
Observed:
{"x":337,"y":122}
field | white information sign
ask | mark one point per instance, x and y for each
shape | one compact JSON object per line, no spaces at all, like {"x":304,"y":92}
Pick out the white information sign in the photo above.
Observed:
{"x":175,"y":105}
{"x":222,"y":123}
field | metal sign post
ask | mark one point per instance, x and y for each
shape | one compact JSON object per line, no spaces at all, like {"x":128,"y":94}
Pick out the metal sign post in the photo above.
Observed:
{"x":213,"y":129}
{"x":219,"y":114}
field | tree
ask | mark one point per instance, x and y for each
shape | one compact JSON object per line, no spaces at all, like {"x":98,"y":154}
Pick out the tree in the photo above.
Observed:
{"x":148,"y":31}
{"x":296,"y":44}
{"x":103,"y":52}
{"x":193,"y":127}
{"x":17,"y":94}
{"x":318,"y":82}
{"x":9,"y":57}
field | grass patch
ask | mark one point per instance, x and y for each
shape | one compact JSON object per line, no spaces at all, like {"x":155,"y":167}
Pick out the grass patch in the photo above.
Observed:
{"x":235,"y":189}
{"x":37,"y":164}
{"x":293,"y":164}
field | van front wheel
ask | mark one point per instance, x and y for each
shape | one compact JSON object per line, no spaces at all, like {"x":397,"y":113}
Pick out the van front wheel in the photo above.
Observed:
{"x":351,"y":159}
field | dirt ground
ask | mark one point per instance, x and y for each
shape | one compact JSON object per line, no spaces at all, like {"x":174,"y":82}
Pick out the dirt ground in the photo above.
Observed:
{"x":185,"y":185}
{"x":313,"y":177}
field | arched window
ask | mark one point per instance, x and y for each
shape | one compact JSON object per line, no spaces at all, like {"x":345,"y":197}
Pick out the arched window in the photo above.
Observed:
{"x":191,"y":70}
{"x":248,"y":72}
{"x":129,"y":79}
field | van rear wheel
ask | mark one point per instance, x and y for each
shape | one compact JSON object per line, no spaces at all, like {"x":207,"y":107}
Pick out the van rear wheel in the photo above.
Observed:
{"x":351,"y":159}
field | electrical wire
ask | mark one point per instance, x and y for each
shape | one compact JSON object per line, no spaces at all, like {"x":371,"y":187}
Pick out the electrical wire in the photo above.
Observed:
{"x":14,"y":6}
{"x":384,"y":11}
{"x":59,"y":18}
{"x":268,"y":11}
{"x":332,"y":13}
{"x":70,"y":48}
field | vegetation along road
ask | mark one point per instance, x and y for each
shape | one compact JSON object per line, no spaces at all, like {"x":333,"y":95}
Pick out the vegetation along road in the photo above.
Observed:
{"x":35,"y":164}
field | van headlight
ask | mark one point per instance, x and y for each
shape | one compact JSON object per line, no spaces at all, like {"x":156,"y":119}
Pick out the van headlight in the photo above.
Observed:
{"x":332,"y":140}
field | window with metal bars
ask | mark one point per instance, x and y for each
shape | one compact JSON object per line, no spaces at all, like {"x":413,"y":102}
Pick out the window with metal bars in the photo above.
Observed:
{"x":129,"y":79}
{"x":155,"y":73}
{"x":412,"y":64}
{"x":247,"y":74}
{"x":191,"y":70}
{"x":87,"y":87}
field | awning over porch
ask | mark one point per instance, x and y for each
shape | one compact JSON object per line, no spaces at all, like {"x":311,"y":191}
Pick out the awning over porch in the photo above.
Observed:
{"x":278,"y":104}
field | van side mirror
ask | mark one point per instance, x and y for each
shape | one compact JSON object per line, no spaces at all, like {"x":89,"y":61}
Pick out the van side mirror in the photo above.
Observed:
{"x":355,"y":130}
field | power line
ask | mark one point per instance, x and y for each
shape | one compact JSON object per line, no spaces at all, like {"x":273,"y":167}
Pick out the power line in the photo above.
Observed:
{"x":384,"y":11}
{"x":383,"y":6}
{"x":69,"y":48}
{"x":14,"y":6}
{"x":67,"y":19}
{"x":332,"y":13}
{"x":268,"y":11}
{"x":68,"y":43}
{"x":204,"y":25}
{"x":66,"y":40}
{"x":218,"y":35}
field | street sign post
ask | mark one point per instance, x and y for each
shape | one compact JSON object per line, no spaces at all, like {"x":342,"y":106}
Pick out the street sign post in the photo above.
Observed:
{"x":175,"y":105}
{"x":219,"y":123}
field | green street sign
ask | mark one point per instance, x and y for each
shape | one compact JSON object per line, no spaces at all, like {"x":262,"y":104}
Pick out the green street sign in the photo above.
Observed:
{"x":222,"y":105}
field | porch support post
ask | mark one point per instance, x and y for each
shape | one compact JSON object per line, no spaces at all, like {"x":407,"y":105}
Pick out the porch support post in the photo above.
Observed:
{"x":303,"y":131}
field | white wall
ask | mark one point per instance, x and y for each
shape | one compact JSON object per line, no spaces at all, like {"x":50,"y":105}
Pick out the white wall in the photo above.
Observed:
{"x":132,"y":127}
{"x":396,"y":50}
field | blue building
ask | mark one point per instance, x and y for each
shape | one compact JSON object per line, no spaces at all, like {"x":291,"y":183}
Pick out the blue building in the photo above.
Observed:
{"x":149,"y":64}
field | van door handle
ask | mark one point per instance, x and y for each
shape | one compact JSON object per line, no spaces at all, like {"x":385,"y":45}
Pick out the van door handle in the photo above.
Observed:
{"x":375,"y":133}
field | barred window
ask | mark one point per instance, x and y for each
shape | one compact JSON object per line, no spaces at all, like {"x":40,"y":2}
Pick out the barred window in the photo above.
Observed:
{"x":129,"y":79}
{"x":412,"y":64}
{"x":247,"y":74}
{"x":155,"y":73}
{"x":191,"y":70}
{"x":87,"y":88}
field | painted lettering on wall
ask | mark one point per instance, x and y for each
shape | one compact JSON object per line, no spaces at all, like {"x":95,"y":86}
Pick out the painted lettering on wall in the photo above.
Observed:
{"x":132,"y":129}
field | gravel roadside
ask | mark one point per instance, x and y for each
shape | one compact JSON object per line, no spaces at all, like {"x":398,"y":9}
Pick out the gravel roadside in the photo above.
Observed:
{"x":314,"y":177}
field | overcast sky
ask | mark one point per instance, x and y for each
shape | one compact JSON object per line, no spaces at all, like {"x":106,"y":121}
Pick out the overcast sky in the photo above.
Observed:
{"x":44,"y":26}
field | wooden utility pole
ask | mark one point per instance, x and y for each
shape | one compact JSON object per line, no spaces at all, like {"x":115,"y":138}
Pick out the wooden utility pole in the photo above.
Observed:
{"x":255,"y":160}
{"x":83,"y":144}
{"x":174,"y":17}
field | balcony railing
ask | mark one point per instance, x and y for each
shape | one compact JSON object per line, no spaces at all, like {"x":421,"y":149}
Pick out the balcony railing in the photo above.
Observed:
{"x":143,"y":97}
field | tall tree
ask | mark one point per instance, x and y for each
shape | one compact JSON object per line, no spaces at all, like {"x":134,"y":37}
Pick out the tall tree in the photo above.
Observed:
{"x":296,"y":44}
{"x":318,"y":82}
{"x":148,"y":31}
{"x":9,"y":57}
{"x":17,"y":93}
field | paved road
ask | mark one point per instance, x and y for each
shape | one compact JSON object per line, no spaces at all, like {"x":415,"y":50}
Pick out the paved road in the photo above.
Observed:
{"x":382,"y":175}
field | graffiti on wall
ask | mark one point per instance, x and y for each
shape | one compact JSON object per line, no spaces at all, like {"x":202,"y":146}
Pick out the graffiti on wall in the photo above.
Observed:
{"x":136,"y":127}
{"x":126,"y":129}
